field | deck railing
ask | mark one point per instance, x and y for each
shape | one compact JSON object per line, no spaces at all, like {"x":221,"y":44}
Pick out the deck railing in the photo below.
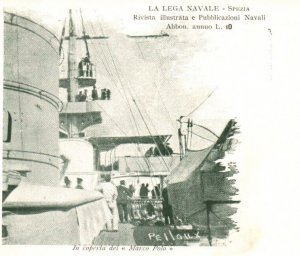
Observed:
{"x":145,"y":208}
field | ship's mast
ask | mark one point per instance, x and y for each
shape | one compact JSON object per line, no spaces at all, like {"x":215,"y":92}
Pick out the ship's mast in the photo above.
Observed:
{"x":79,"y":112}
{"x":72,"y":70}
{"x":80,"y":74}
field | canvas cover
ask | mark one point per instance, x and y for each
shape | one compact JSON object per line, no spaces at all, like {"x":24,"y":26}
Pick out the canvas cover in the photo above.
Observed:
{"x":27,"y":195}
{"x":200,"y":178}
{"x":54,"y":215}
{"x":188,"y":165}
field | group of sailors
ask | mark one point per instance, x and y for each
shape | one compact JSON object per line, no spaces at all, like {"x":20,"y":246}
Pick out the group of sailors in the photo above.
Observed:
{"x":83,"y":95}
{"x":155,"y":192}
{"x":125,"y":208}
{"x":85,"y":67}
{"x":118,"y":201}
{"x":68,"y":183}
{"x":158,"y":193}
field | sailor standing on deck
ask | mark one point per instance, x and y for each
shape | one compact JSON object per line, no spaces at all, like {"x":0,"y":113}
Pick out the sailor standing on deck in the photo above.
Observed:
{"x":131,"y":191}
{"x":122,"y":201}
{"x":110,"y":193}
{"x":94,"y":93}
{"x":167,"y":208}
{"x":79,"y":183}
{"x":67,"y":182}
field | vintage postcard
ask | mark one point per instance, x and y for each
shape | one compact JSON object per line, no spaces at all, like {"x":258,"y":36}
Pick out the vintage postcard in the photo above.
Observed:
{"x":127,"y":125}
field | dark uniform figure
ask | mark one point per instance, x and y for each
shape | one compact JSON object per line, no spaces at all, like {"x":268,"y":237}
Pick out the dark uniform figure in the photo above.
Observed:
{"x":156,"y":192}
{"x":122,"y":201}
{"x":167,"y":208}
{"x":103,"y":94}
{"x":131,"y":191}
{"x":81,"y":96}
{"x":80,"y":68}
{"x":85,"y":67}
{"x":67,"y":182}
{"x":94,"y":93}
{"x":144,"y":191}
{"x":78,"y":96}
{"x":108,"y":93}
{"x":79,"y":183}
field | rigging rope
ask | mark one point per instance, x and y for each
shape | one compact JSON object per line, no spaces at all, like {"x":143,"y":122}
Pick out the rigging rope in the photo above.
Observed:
{"x":132,"y":97}
{"x":151,"y":135}
{"x":110,"y":75}
{"x":126,"y":99}
{"x":116,"y":125}
{"x":121,"y":83}
{"x":158,"y":91}
{"x":201,"y":103}
{"x":129,"y":90}
{"x":202,"y":137}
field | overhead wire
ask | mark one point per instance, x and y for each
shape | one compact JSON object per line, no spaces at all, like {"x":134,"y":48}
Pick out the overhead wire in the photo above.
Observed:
{"x":126,"y":98}
{"x":121,"y":83}
{"x":158,"y":91}
{"x":197,"y":107}
{"x":191,"y":130}
{"x":110,"y":75}
{"x":114,"y":83}
{"x":202,"y":102}
{"x":147,"y":127}
{"x":202,"y":137}
{"x":124,"y":91}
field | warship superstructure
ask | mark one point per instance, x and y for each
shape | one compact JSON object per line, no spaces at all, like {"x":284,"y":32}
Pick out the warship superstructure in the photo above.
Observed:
{"x":36,"y":209}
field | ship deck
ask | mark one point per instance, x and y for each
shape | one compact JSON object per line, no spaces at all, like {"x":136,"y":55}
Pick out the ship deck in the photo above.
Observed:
{"x":130,"y":234}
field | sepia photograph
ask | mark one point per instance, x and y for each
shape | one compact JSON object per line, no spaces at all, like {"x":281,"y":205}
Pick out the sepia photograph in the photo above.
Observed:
{"x":123,"y":125}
